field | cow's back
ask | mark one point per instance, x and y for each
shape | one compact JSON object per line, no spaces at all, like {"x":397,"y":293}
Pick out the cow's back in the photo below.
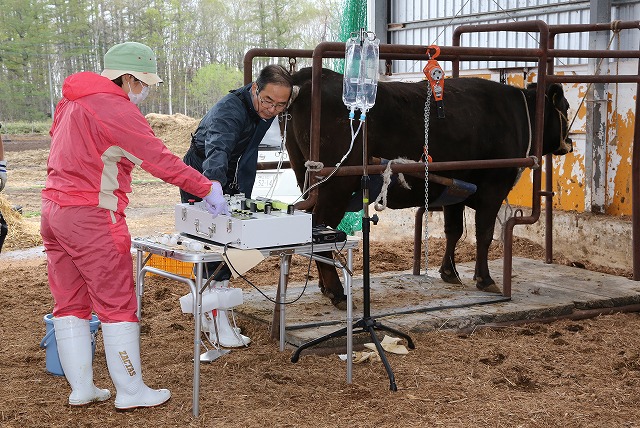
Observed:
{"x":483,"y":120}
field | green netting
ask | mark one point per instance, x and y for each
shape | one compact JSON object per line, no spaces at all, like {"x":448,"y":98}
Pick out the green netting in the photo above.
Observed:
{"x":354,"y":17}
{"x":351,"y":222}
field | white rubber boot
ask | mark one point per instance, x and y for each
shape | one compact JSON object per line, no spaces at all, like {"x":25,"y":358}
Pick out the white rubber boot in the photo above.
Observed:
{"x":228,"y":336}
{"x":73,"y":337}
{"x":122,"y":348}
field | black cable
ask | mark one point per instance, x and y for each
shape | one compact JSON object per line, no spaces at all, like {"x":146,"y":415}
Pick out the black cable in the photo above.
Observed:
{"x":228,"y":261}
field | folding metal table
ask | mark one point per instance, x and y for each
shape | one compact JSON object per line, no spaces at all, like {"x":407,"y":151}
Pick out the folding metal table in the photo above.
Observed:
{"x":214,"y":253}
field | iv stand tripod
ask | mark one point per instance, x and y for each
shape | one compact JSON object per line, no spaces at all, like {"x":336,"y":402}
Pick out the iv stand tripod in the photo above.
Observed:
{"x":367,"y":323}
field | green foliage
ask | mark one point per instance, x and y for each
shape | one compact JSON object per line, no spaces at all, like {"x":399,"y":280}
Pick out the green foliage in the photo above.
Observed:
{"x":41,"y":127}
{"x":42,"y":42}
{"x":211,"y":83}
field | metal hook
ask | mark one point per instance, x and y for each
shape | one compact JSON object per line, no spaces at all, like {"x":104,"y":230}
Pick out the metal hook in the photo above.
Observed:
{"x":436,"y":51}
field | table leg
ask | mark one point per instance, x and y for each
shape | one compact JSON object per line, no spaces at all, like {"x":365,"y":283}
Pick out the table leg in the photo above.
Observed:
{"x":139,"y":282}
{"x":278,"y":324}
{"x":196,"y":339}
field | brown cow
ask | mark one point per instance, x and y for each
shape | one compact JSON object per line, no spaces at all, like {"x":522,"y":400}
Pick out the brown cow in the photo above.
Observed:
{"x":484,"y":120}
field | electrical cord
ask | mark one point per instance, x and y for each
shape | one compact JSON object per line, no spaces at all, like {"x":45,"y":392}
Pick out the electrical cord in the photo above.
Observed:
{"x":339,"y":254}
{"x":354,"y":134}
{"x":228,"y":261}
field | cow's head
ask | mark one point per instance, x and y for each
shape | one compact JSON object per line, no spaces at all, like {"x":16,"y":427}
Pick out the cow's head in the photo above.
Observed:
{"x":556,"y":133}
{"x":555,"y":94}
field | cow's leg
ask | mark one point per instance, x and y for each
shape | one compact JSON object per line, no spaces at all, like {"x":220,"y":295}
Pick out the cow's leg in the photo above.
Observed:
{"x":330,"y":284}
{"x":485,"y":224}
{"x":333,"y":197}
{"x":453,"y":228}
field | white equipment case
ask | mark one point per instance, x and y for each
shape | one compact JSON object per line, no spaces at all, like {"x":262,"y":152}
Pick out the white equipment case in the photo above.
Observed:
{"x":245,"y":229}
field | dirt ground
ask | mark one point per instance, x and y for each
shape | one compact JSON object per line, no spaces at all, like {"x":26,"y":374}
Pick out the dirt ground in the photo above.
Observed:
{"x":569,"y":373}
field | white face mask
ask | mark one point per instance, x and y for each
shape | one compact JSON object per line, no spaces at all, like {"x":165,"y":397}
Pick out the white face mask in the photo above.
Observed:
{"x":138,"y":98}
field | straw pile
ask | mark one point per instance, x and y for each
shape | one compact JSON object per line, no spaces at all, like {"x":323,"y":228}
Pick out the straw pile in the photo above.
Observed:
{"x":22,"y":234}
{"x":175,"y":130}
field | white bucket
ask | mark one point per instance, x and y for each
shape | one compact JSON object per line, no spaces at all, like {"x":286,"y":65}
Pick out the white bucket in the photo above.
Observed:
{"x":49,"y":343}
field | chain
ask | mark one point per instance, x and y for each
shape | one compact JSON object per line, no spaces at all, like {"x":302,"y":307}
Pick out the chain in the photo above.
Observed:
{"x":427,"y":112}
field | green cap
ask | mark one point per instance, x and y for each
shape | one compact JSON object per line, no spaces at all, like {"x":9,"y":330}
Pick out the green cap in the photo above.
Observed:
{"x":132,"y":58}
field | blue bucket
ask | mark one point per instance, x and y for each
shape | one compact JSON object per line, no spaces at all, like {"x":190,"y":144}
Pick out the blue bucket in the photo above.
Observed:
{"x":49,"y":343}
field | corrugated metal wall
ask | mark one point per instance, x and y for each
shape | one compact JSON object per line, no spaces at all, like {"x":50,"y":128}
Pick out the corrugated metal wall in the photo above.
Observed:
{"x":422,"y":22}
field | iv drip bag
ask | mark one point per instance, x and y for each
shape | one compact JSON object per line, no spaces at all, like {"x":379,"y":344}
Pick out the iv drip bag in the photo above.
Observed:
{"x":369,"y":71}
{"x":352,"y":55}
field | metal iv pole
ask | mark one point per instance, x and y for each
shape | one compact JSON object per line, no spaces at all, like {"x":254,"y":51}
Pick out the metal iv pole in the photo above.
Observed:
{"x":367,"y":324}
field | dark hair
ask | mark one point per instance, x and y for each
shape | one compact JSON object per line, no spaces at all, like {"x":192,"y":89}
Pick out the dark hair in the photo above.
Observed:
{"x":118,"y":80}
{"x":274,"y":74}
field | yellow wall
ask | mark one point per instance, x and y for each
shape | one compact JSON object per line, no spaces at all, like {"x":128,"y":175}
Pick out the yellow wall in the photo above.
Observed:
{"x":619,"y":151}
{"x":569,"y":183}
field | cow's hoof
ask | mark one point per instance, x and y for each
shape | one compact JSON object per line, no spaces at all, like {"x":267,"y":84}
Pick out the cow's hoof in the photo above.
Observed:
{"x":340,"y":302}
{"x":450,"y":277}
{"x":492,"y":288}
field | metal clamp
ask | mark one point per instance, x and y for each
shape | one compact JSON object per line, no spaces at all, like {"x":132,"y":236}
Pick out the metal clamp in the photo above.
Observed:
{"x":281,"y":252}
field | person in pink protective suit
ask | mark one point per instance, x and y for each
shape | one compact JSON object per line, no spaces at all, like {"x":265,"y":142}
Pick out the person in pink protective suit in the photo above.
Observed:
{"x":98,"y":136}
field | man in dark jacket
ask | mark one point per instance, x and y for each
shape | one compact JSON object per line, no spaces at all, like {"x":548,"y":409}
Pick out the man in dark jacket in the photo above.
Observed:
{"x":3,"y":180}
{"x":225,"y":145}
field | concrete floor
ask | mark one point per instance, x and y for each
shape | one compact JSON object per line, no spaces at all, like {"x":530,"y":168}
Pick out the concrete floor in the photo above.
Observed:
{"x":419,"y":303}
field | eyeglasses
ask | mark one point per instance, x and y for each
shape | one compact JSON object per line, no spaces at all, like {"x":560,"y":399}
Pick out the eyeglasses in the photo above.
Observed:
{"x":270,"y":104}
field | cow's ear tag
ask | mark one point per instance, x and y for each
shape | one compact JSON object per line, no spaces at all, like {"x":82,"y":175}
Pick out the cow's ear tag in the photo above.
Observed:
{"x":435,"y":76}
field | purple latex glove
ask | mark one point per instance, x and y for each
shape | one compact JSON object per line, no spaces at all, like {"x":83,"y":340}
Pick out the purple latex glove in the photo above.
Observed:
{"x":215,"y":201}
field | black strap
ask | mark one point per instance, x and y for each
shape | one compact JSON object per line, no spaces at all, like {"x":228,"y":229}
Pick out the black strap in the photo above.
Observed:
{"x":240,"y":94}
{"x":194,"y":147}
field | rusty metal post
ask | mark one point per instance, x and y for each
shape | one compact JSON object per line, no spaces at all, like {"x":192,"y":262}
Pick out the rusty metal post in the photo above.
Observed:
{"x":316,"y":106}
{"x":548,"y":194}
{"x":635,"y":188}
{"x":537,"y":173}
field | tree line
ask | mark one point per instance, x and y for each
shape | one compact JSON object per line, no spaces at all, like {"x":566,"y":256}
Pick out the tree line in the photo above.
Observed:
{"x":200,"y":45}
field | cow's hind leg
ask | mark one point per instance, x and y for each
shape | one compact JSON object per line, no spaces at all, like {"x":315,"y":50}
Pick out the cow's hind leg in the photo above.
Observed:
{"x":329,"y":283}
{"x":453,"y":228}
{"x":485,"y":224}
{"x":333,"y":197}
